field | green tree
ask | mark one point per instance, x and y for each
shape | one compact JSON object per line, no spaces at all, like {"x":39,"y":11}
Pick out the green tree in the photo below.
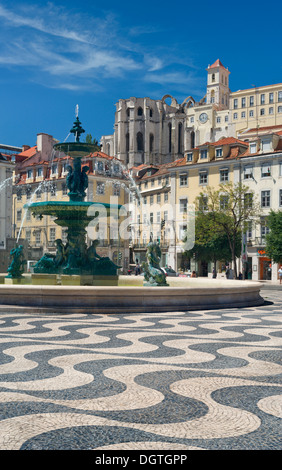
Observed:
{"x":232,"y":207}
{"x":274,"y":237}
{"x":90,"y":140}
{"x":211,"y":241}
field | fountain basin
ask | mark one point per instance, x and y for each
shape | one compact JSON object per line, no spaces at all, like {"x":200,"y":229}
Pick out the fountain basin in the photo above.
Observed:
{"x":198,"y":294}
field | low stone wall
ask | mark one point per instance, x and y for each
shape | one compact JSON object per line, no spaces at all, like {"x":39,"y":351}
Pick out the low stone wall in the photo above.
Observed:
{"x":196,"y":295}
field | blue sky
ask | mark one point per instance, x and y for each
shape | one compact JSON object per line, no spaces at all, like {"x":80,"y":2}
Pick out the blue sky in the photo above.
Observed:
{"x":56,"y":55}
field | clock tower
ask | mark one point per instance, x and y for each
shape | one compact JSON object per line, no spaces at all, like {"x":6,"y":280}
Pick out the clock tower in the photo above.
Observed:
{"x":218,"y":85}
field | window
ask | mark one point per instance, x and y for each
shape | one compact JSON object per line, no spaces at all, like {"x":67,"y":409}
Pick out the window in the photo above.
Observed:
{"x":29,"y":173}
{"x":265,"y":170}
{"x":262,"y":99}
{"x":183,"y":180}
{"x":271,"y":110}
{"x":28,"y":236}
{"x":19,"y":215}
{"x":279,"y":96}
{"x":280,"y":197}
{"x":235,"y":116}
{"x":140,"y":111}
{"x":203,"y":203}
{"x":218,"y":152}
{"x":226,"y":118}
{"x":151,"y":142}
{"x":151,"y":217}
{"x":265,"y":145}
{"x":152,"y":182}
{"x":235,"y":103}
{"x":203,"y":154}
{"x":183,"y":205}
{"x":151,"y":112}
{"x":248,"y":200}
{"x":262,"y":111}
{"x":140,"y":144}
{"x":243,"y":102}
{"x":279,"y":109}
{"x":116,"y":190}
{"x":53,"y":190}
{"x":100,"y":167}
{"x":265,"y":199}
{"x":223,"y":202}
{"x":243,"y":114}
{"x":52,"y":237}
{"x":151,"y":200}
{"x":270,"y":98}
{"x":100,"y":188}
{"x":248,"y":172}
{"x":264,"y":230}
{"x":203,"y":177}
{"x":116,"y":168}
{"x":54,"y":169}
{"x":192,"y":119}
{"x":145,"y":200}
{"x":64,"y":235}
{"x":224,"y":175}
{"x":249,"y":230}
{"x":158,"y":217}
{"x":166,"y":197}
{"x":253,"y":147}
{"x":251,"y":100}
{"x":158,"y":198}
{"x":189,"y":157}
{"x":218,"y":120}
{"x":251,"y":113}
{"x":39,"y":172}
{"x":38,"y":238}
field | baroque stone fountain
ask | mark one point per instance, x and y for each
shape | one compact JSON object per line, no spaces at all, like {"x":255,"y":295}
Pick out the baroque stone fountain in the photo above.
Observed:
{"x":74,"y":258}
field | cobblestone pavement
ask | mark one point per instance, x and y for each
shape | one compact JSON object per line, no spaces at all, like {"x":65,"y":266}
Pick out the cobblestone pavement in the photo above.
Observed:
{"x":172,"y":381}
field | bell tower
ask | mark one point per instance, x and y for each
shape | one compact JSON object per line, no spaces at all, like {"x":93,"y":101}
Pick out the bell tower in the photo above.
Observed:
{"x":218,"y":85}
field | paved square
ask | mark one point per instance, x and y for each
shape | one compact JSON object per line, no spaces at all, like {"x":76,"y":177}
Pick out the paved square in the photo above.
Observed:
{"x":173,"y":381}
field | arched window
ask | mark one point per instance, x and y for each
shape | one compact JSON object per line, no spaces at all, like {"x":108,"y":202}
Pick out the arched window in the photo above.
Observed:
{"x":151,"y":112}
{"x":151,"y":142}
{"x":140,"y":143}
{"x":127,"y":142}
{"x":179,"y":137}
{"x":128,"y":112}
{"x":212,"y":96}
{"x":139,"y":111}
{"x":169,"y":137}
{"x":213,"y":77}
{"x":192,"y":139}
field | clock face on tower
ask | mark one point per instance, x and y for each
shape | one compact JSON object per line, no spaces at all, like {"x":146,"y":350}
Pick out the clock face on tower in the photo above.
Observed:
{"x":203,"y":117}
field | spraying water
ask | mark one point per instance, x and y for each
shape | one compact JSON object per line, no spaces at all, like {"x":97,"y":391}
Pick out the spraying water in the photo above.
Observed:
{"x":38,"y":189}
{"x":5,"y":183}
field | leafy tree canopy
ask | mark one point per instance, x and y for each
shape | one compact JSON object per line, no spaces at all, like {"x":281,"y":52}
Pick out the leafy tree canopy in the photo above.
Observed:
{"x":274,"y":237}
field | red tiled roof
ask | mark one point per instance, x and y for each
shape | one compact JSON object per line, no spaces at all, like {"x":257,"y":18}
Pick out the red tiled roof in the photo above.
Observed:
{"x":217,"y":63}
{"x":224,"y":141}
{"x":29,"y":152}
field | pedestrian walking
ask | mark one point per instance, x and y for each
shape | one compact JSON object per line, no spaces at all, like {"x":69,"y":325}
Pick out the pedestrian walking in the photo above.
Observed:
{"x":280,"y":274}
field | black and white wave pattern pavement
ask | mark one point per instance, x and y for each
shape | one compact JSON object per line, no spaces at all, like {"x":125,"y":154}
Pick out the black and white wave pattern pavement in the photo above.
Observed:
{"x":172,"y":381}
